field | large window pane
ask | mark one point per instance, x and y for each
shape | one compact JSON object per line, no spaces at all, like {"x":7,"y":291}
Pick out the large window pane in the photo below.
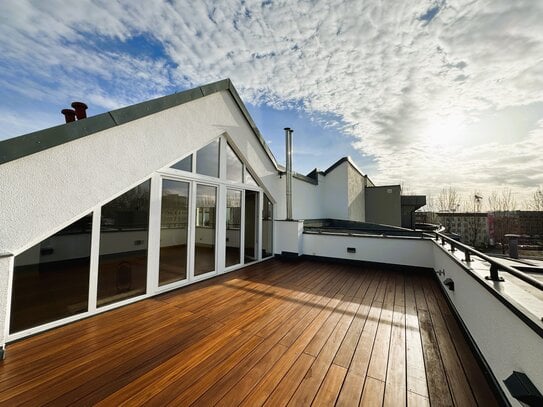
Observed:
{"x":184,"y":165}
{"x":51,"y":279}
{"x":207,"y":159}
{"x":267,"y":227}
{"x":249,"y":179}
{"x":174,"y":218}
{"x":233,"y":227}
{"x":204,"y":255}
{"x":234,"y":167}
{"x":124,"y":230}
{"x":251,"y":225}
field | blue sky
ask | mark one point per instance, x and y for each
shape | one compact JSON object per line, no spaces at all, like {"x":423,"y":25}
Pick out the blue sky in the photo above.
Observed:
{"x":428,"y":93}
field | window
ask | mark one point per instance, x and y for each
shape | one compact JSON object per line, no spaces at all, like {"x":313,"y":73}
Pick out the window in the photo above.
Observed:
{"x":234,"y":167}
{"x":124,"y":227}
{"x":249,"y":179}
{"x":207,"y":159}
{"x":174,"y":216}
{"x":184,"y":165}
{"x":51,"y":279}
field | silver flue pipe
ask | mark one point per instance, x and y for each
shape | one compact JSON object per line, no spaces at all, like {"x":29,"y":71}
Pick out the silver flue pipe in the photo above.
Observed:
{"x":288,"y":144}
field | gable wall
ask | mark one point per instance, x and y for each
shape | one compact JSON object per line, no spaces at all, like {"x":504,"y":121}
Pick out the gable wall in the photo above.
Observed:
{"x":43,"y":192}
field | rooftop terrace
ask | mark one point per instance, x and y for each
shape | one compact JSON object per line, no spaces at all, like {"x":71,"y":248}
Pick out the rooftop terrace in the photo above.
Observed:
{"x":274,"y":333}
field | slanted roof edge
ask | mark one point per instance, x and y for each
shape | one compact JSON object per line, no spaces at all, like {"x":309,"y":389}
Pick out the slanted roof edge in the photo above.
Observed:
{"x":32,"y":143}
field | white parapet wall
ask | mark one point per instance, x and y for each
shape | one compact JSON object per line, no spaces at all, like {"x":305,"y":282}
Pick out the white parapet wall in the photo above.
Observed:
{"x":403,"y":251}
{"x":507,"y":343}
{"x":289,"y":236}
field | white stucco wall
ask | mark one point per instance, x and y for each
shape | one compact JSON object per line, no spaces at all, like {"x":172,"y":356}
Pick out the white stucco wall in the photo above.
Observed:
{"x":334,"y":193}
{"x":400,"y":251}
{"x":289,"y":236}
{"x":506,"y":342}
{"x":43,"y":192}
{"x":306,"y":200}
{"x":356,"y":195}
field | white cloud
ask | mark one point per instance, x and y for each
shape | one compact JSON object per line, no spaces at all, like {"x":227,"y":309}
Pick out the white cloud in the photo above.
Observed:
{"x":389,"y":74}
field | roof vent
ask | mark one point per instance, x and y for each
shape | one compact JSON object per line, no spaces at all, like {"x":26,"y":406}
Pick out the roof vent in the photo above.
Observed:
{"x":69,"y":115}
{"x":80,"y":110}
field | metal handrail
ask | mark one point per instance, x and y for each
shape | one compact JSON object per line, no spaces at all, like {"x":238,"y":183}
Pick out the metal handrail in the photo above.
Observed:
{"x":495,"y":266}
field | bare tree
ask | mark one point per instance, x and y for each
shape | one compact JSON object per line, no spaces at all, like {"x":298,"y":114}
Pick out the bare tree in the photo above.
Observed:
{"x":502,"y":204}
{"x":502,"y":201}
{"x":536,"y":203}
{"x":473,"y":206}
{"x":449,"y":200}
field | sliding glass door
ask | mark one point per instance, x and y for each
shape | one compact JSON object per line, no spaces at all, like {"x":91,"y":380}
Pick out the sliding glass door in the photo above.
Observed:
{"x":233,"y":227}
{"x":174,"y":226}
{"x":205,"y":230}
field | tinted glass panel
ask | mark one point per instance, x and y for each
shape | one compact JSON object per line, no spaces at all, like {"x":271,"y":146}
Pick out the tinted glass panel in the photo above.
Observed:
{"x":124,"y":227}
{"x":184,"y":165}
{"x":51,"y":279}
{"x":233,"y":227}
{"x":234,"y":168}
{"x":251,"y":225}
{"x":207,"y":159}
{"x":267,"y":227}
{"x":249,"y":178}
{"x":204,"y":255}
{"x":174,"y":218}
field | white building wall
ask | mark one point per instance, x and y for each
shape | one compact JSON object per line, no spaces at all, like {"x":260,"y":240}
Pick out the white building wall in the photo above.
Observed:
{"x":334,"y":193}
{"x":44,"y":192}
{"x":306,"y":199}
{"x":399,"y":251}
{"x":356,"y":195}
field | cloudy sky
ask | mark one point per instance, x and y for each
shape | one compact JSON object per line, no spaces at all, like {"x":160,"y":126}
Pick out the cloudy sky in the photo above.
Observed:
{"x":424,"y":93}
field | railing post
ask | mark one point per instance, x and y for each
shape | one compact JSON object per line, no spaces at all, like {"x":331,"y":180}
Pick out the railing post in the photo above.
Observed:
{"x":452,"y":247}
{"x":494,"y":276}
{"x":467,"y":256}
{"x":442,"y":241}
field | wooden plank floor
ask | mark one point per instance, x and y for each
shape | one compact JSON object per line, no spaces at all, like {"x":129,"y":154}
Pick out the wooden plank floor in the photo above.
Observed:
{"x":276,"y":333}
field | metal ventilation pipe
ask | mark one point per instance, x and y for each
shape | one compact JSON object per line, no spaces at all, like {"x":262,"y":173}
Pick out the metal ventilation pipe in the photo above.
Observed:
{"x":288,"y":143}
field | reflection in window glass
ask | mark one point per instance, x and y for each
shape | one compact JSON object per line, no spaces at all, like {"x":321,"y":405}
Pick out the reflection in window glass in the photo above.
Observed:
{"x":267,"y":227}
{"x":249,"y":178}
{"x":207,"y":159}
{"x":51,"y":279}
{"x":174,"y":216}
{"x":204,"y":254}
{"x":234,"y":167}
{"x":124,"y":227}
{"x":184,"y":165}
{"x":233,"y":227}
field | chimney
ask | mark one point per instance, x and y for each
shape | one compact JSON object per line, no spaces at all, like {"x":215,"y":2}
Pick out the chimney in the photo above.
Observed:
{"x":288,"y":142}
{"x":69,"y":115}
{"x":80,"y":110}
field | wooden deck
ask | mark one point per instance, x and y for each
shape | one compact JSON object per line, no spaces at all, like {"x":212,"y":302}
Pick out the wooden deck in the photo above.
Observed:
{"x":275,"y":333}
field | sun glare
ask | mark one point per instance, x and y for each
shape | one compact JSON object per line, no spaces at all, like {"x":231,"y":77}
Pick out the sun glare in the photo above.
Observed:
{"x":445,"y":131}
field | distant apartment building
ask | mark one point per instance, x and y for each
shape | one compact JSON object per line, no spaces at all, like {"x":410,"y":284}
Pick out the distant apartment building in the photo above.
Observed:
{"x":482,"y":229}
{"x":472,"y":227}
